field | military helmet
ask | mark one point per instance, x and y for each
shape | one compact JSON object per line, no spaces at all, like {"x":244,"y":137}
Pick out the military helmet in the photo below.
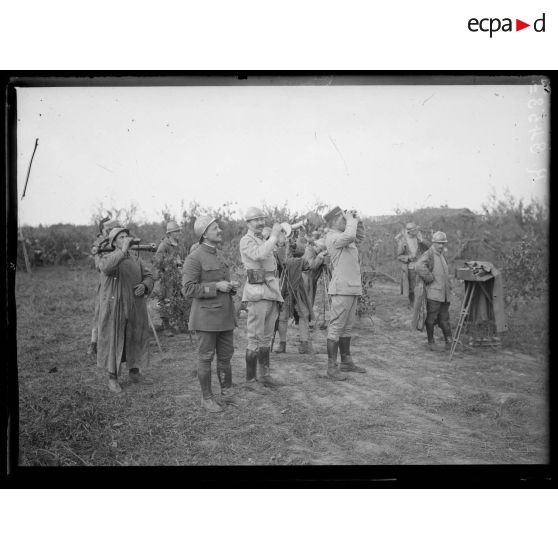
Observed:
{"x":202,"y":224}
{"x":439,"y":236}
{"x":111,"y":224}
{"x":253,"y":213}
{"x":172,"y":227}
{"x":411,"y":226}
{"x":114,"y":233}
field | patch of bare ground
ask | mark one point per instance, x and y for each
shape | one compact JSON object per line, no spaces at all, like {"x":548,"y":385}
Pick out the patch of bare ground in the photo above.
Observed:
{"x":412,"y":407}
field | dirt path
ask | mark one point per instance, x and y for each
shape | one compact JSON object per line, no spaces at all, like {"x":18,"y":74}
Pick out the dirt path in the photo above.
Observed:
{"x":412,"y":407}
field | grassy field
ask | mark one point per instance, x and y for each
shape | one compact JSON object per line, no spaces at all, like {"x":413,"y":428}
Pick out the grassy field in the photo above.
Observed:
{"x":413,"y":407}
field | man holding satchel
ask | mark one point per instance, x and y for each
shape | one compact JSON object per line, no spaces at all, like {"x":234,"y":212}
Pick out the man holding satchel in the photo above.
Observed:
{"x":262,"y":294}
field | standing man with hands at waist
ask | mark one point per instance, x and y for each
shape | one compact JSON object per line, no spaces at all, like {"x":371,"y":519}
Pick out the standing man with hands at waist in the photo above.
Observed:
{"x":206,"y":278}
{"x":262,"y":294}
{"x":345,"y":287}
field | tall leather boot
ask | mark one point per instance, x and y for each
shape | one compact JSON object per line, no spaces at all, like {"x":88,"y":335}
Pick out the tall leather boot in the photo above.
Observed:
{"x":347,"y":364}
{"x":204,"y":376}
{"x":224,"y":373}
{"x":430,"y":335}
{"x":265,"y":376}
{"x":332,"y":368}
{"x":251,"y":366}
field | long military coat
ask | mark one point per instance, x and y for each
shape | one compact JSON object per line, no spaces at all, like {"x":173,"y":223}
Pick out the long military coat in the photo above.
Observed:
{"x":212,"y":310}
{"x":123,"y":324}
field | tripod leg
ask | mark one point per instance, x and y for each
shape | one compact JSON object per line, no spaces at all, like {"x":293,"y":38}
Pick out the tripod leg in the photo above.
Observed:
{"x":469,"y":288}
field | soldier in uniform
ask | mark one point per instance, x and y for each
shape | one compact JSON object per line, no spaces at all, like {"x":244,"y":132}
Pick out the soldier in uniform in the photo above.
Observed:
{"x":432,"y":268}
{"x":297,"y":302}
{"x":410,"y":247}
{"x":206,"y":278}
{"x":123,"y":321}
{"x":345,"y":287}
{"x":101,"y":241}
{"x":167,"y":255}
{"x":261,"y":293}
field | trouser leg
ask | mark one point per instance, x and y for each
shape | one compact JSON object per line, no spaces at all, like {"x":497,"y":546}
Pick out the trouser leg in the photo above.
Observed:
{"x":432,"y":316}
{"x":444,"y":321}
{"x":225,"y":351}
{"x":206,"y":350}
{"x":412,"y":281}
{"x":255,"y":323}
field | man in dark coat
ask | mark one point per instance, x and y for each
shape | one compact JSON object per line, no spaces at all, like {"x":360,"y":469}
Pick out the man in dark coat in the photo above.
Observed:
{"x":101,"y":241}
{"x":206,"y":278}
{"x":410,"y":247}
{"x":123,"y":322}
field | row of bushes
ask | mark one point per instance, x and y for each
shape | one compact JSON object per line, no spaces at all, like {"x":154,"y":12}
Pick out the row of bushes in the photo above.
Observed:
{"x":509,"y":233}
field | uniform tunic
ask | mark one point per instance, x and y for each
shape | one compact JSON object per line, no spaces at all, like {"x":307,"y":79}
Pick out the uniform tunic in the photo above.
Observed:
{"x":257,"y":253}
{"x":123,"y":323}
{"x":433,"y":269}
{"x":212,"y":310}
{"x":212,"y":314}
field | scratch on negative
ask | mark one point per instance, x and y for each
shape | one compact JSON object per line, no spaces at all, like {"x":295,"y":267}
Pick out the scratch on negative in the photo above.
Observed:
{"x":428,"y":98}
{"x":340,"y":155}
{"x":103,"y":167}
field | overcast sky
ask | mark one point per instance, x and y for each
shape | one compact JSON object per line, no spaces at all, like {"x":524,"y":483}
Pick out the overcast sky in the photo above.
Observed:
{"x":373,"y":148}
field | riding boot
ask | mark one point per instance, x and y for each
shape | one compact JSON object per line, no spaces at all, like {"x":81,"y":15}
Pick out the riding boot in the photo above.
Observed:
{"x":332,"y":367}
{"x":251,"y":365}
{"x":282,"y":347}
{"x":224,"y":373}
{"x":265,"y":376}
{"x":347,"y":364}
{"x":204,"y":376}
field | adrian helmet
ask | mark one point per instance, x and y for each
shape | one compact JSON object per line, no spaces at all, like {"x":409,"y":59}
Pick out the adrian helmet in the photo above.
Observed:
{"x":201,"y":225}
